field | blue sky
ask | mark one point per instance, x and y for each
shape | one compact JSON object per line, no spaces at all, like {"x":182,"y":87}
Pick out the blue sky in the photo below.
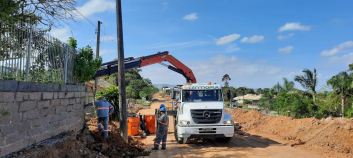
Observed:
{"x":256,"y":42}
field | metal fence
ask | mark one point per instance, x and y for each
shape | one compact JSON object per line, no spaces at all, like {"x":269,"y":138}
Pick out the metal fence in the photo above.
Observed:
{"x":30,"y":54}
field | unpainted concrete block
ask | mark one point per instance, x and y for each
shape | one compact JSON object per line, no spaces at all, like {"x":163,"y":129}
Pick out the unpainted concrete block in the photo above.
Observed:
{"x":69,"y":108}
{"x":32,"y":114}
{"x":10,"y":107}
{"x":65,"y":102}
{"x":47,"y":112}
{"x":20,"y":96}
{"x":31,"y":140}
{"x":43,"y":136}
{"x":48,"y":95}
{"x":16,"y":117}
{"x":2,"y":141}
{"x":35,"y":95}
{"x":15,"y":137}
{"x":43,"y":104}
{"x":4,"y":120}
{"x":55,"y":102}
{"x":77,"y":94}
{"x":78,"y":100}
{"x":70,"y":95}
{"x":60,"y":109}
{"x":62,"y":95}
{"x":24,"y":125}
{"x":56,"y":95}
{"x":35,"y":130}
{"x":8,"y":129}
{"x":13,"y":147}
{"x":7,"y":96}
{"x":72,"y":101}
{"x":27,"y":105}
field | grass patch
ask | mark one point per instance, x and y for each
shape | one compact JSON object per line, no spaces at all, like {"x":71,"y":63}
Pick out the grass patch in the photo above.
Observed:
{"x":144,"y":104}
{"x":4,"y":112}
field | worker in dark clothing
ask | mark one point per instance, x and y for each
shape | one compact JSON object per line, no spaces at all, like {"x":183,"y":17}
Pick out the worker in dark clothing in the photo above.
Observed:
{"x":163,"y":122}
{"x":104,"y":109}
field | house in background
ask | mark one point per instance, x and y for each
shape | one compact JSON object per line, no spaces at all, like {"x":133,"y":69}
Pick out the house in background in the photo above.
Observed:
{"x":253,"y":98}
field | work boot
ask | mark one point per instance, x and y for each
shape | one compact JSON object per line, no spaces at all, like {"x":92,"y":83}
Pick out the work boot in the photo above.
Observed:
{"x":163,"y":146}
{"x":155,"y":147}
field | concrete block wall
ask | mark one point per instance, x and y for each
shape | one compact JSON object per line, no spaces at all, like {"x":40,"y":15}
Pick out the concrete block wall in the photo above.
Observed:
{"x":32,"y":112}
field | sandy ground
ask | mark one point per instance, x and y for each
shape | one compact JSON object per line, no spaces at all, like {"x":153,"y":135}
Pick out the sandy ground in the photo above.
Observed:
{"x":240,"y":146}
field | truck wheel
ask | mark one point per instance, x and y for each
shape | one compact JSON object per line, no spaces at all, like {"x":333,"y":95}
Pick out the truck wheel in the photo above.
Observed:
{"x":179,"y":140}
{"x":223,"y":140}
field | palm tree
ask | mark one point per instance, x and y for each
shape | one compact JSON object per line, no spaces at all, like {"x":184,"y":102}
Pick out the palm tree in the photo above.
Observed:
{"x":277,"y":88}
{"x":225,"y":79}
{"x":259,"y":91}
{"x":287,"y":85}
{"x":308,"y":81}
{"x":341,"y":83}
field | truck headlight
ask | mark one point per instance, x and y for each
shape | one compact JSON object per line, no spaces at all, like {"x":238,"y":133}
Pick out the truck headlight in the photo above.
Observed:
{"x":229,"y":122}
{"x":184,"y":122}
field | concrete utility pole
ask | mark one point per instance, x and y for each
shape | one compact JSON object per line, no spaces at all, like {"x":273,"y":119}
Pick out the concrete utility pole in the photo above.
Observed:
{"x":121,"y":72}
{"x":97,"y":55}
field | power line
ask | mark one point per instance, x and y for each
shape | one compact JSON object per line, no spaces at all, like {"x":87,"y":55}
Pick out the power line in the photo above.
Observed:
{"x":86,"y":18}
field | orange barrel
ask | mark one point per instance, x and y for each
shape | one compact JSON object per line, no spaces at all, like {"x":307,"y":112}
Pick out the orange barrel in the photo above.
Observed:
{"x":151,"y":123}
{"x":133,"y":125}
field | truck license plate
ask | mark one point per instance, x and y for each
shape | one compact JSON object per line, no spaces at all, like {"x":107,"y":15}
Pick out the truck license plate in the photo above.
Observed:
{"x":206,"y":129}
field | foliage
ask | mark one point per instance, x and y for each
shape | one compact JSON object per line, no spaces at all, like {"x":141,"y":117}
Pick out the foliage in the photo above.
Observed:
{"x":4,"y":112}
{"x":308,"y":81}
{"x":247,"y":101}
{"x":112,"y":95}
{"x":148,"y":92}
{"x":225,"y":79}
{"x":86,"y":66}
{"x":342,"y":84}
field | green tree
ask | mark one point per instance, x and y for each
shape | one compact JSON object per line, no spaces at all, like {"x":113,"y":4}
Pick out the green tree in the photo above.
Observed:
{"x":112,"y":95}
{"x":287,"y":85}
{"x":259,"y":91}
{"x":341,"y":83}
{"x":225,"y":79}
{"x":86,"y":66}
{"x":250,"y":91}
{"x":308,"y":81}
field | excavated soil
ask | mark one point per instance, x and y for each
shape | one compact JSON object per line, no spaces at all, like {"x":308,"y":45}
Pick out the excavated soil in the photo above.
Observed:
{"x":330,"y":137}
{"x":90,"y":143}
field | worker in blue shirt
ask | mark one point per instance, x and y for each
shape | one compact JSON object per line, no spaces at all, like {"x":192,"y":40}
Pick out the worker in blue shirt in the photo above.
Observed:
{"x":163,"y":122}
{"x":104,"y":109}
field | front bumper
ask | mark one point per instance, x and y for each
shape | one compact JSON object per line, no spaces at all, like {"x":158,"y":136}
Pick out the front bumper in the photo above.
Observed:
{"x":197,"y":131}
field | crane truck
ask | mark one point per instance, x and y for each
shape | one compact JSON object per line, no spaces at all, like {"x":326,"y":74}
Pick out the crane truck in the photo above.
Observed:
{"x":198,"y":109}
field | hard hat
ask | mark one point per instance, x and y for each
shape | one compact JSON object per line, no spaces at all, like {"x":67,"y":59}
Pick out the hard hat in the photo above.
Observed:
{"x":162,"y":106}
{"x":100,"y":97}
{"x":163,"y":109}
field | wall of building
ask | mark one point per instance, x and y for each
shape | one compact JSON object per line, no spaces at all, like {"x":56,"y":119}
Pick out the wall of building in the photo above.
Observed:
{"x":32,"y":112}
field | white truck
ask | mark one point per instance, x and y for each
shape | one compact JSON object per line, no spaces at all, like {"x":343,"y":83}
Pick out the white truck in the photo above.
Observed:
{"x":199,"y":112}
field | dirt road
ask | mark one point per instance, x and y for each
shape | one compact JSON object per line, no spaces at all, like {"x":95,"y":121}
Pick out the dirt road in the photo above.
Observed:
{"x":240,"y":146}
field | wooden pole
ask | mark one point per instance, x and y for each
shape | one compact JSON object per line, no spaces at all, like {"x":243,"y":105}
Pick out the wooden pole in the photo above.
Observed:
{"x":97,"y":56}
{"x":121,"y":72}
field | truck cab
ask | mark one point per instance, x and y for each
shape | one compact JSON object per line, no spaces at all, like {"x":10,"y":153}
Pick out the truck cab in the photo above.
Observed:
{"x":200,"y":113}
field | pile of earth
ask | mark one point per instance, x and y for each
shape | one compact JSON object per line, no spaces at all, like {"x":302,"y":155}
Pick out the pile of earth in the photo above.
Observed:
{"x":331,"y":137}
{"x":90,"y":143}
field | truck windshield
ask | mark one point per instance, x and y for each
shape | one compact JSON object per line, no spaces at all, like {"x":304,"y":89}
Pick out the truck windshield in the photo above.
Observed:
{"x":202,"y":95}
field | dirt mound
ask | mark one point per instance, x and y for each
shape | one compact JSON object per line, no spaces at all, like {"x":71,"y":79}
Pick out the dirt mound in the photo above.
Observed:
{"x":89,"y":143}
{"x":328,"y":137}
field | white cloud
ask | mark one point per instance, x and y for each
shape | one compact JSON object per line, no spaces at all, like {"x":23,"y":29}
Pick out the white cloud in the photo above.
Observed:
{"x":104,"y":39}
{"x":286,"y":50}
{"x":227,"y":39}
{"x":339,"y":48}
{"x":253,"y":39}
{"x":280,"y":37}
{"x":191,"y":17}
{"x":232,"y":48}
{"x":346,"y":59}
{"x":181,"y":44}
{"x":294,"y":26}
{"x":62,"y":34}
{"x":95,"y":6}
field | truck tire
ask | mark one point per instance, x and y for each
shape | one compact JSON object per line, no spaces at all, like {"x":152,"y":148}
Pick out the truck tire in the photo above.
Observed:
{"x":179,"y":140}
{"x":223,"y":140}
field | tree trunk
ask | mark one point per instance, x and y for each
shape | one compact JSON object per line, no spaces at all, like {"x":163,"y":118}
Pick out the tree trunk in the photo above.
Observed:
{"x":343,"y":99}
{"x":314,"y":98}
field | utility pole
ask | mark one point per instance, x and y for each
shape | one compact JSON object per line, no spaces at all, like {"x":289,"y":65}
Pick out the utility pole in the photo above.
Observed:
{"x":121,"y":72}
{"x":97,"y":55}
